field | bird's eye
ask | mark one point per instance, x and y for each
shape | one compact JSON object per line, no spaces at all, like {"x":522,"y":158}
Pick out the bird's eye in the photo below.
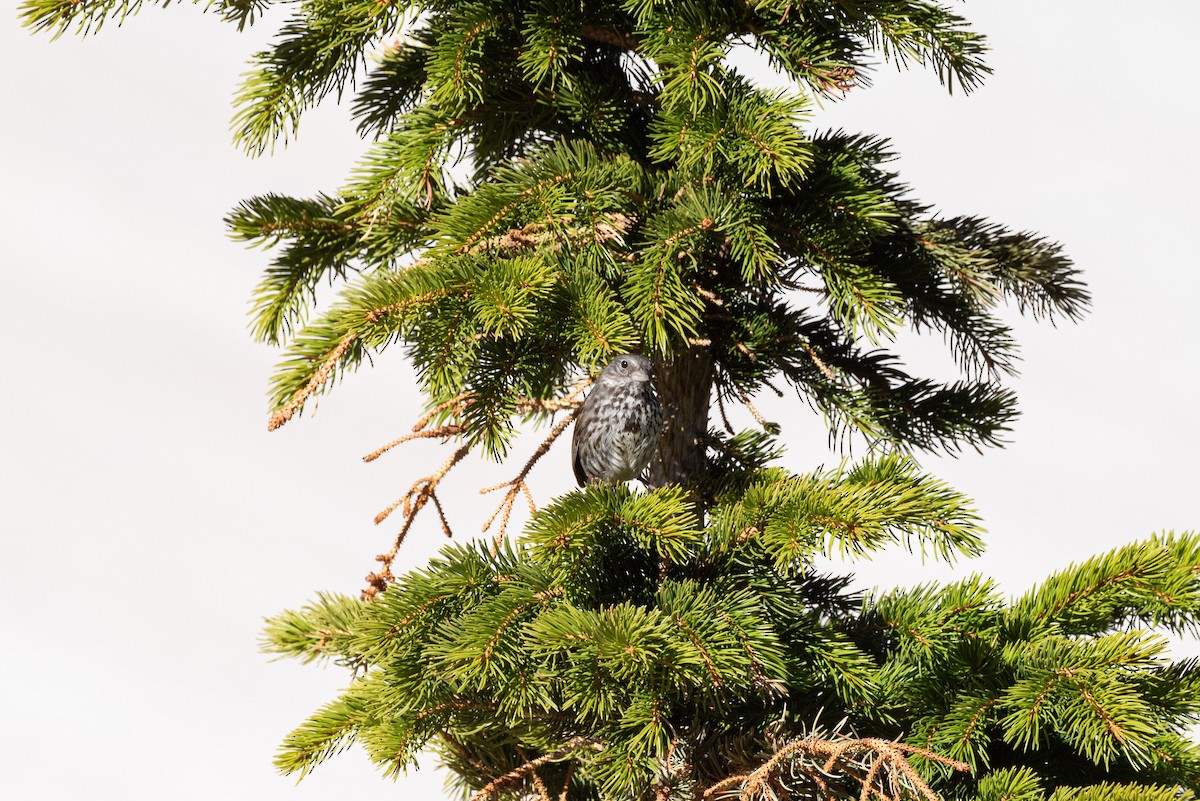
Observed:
{"x":624,"y":364}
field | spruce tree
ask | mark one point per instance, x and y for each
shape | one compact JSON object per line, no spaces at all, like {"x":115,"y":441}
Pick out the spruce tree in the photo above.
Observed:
{"x":553,"y":182}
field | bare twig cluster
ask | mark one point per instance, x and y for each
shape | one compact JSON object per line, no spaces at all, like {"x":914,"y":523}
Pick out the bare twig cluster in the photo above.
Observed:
{"x":425,"y":489}
{"x":413,"y":501}
{"x":517,"y":486}
{"x":813,"y":767}
{"x":880,"y":768}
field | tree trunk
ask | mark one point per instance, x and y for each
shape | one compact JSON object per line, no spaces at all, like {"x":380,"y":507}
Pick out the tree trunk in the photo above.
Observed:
{"x":684,"y":387}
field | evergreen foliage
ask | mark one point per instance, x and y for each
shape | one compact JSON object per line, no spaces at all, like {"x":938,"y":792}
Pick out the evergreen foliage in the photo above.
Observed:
{"x":552,"y":182}
{"x":622,"y":625}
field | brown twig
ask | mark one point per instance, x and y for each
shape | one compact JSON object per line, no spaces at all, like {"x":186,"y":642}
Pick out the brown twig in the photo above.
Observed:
{"x":375,"y":315}
{"x":532,"y":236}
{"x":868,"y":781}
{"x":778,"y":392}
{"x":611,"y":36}
{"x":517,"y":486}
{"x":420,"y":493}
{"x":437,"y":504}
{"x":539,"y":785}
{"x":569,"y":401}
{"x":549,"y":405}
{"x":443,"y":433}
{"x":574,"y":744}
{"x":285,"y":413}
{"x":867,"y":761}
{"x":535,"y":235}
{"x":798,"y":287}
{"x":421,"y":430}
{"x":424,"y":489}
{"x":745,"y":399}
{"x":288,"y":410}
{"x":567,"y":781}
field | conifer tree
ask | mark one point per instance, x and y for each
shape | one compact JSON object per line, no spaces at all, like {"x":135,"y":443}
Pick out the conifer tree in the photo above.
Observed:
{"x":552,"y":182}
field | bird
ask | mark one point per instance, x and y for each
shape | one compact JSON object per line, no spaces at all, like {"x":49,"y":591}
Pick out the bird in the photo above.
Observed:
{"x":617,"y":428}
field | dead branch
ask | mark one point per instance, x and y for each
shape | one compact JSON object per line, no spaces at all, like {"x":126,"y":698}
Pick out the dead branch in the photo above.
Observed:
{"x":778,"y":392}
{"x":420,"y":493}
{"x":518,"y":486}
{"x":869,"y":761}
{"x":424,"y":489}
{"x":444,"y":433}
{"x":536,"y":235}
{"x":421,"y":430}
{"x":318,"y":379}
{"x":548,"y":406}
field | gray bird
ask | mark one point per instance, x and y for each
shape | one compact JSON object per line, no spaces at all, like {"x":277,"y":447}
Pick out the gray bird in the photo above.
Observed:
{"x":618,"y":425}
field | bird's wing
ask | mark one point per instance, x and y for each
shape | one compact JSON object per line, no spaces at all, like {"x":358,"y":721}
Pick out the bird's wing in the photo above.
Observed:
{"x":576,"y":435}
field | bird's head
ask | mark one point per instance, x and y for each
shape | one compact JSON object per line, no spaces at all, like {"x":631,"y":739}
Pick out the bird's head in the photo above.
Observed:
{"x":628,"y":367}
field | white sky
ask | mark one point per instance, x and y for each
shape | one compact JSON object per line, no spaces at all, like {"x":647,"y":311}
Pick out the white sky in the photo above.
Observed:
{"x":150,"y":521}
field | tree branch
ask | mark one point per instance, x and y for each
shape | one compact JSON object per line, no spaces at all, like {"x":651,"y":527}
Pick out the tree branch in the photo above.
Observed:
{"x":574,"y":744}
{"x":868,"y":761}
{"x":285,"y":413}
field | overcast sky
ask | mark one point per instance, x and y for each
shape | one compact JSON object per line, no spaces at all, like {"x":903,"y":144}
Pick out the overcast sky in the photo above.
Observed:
{"x":150,"y":521}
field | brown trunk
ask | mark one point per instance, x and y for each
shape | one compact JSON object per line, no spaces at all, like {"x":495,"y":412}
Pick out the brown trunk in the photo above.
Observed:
{"x":684,"y":386}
